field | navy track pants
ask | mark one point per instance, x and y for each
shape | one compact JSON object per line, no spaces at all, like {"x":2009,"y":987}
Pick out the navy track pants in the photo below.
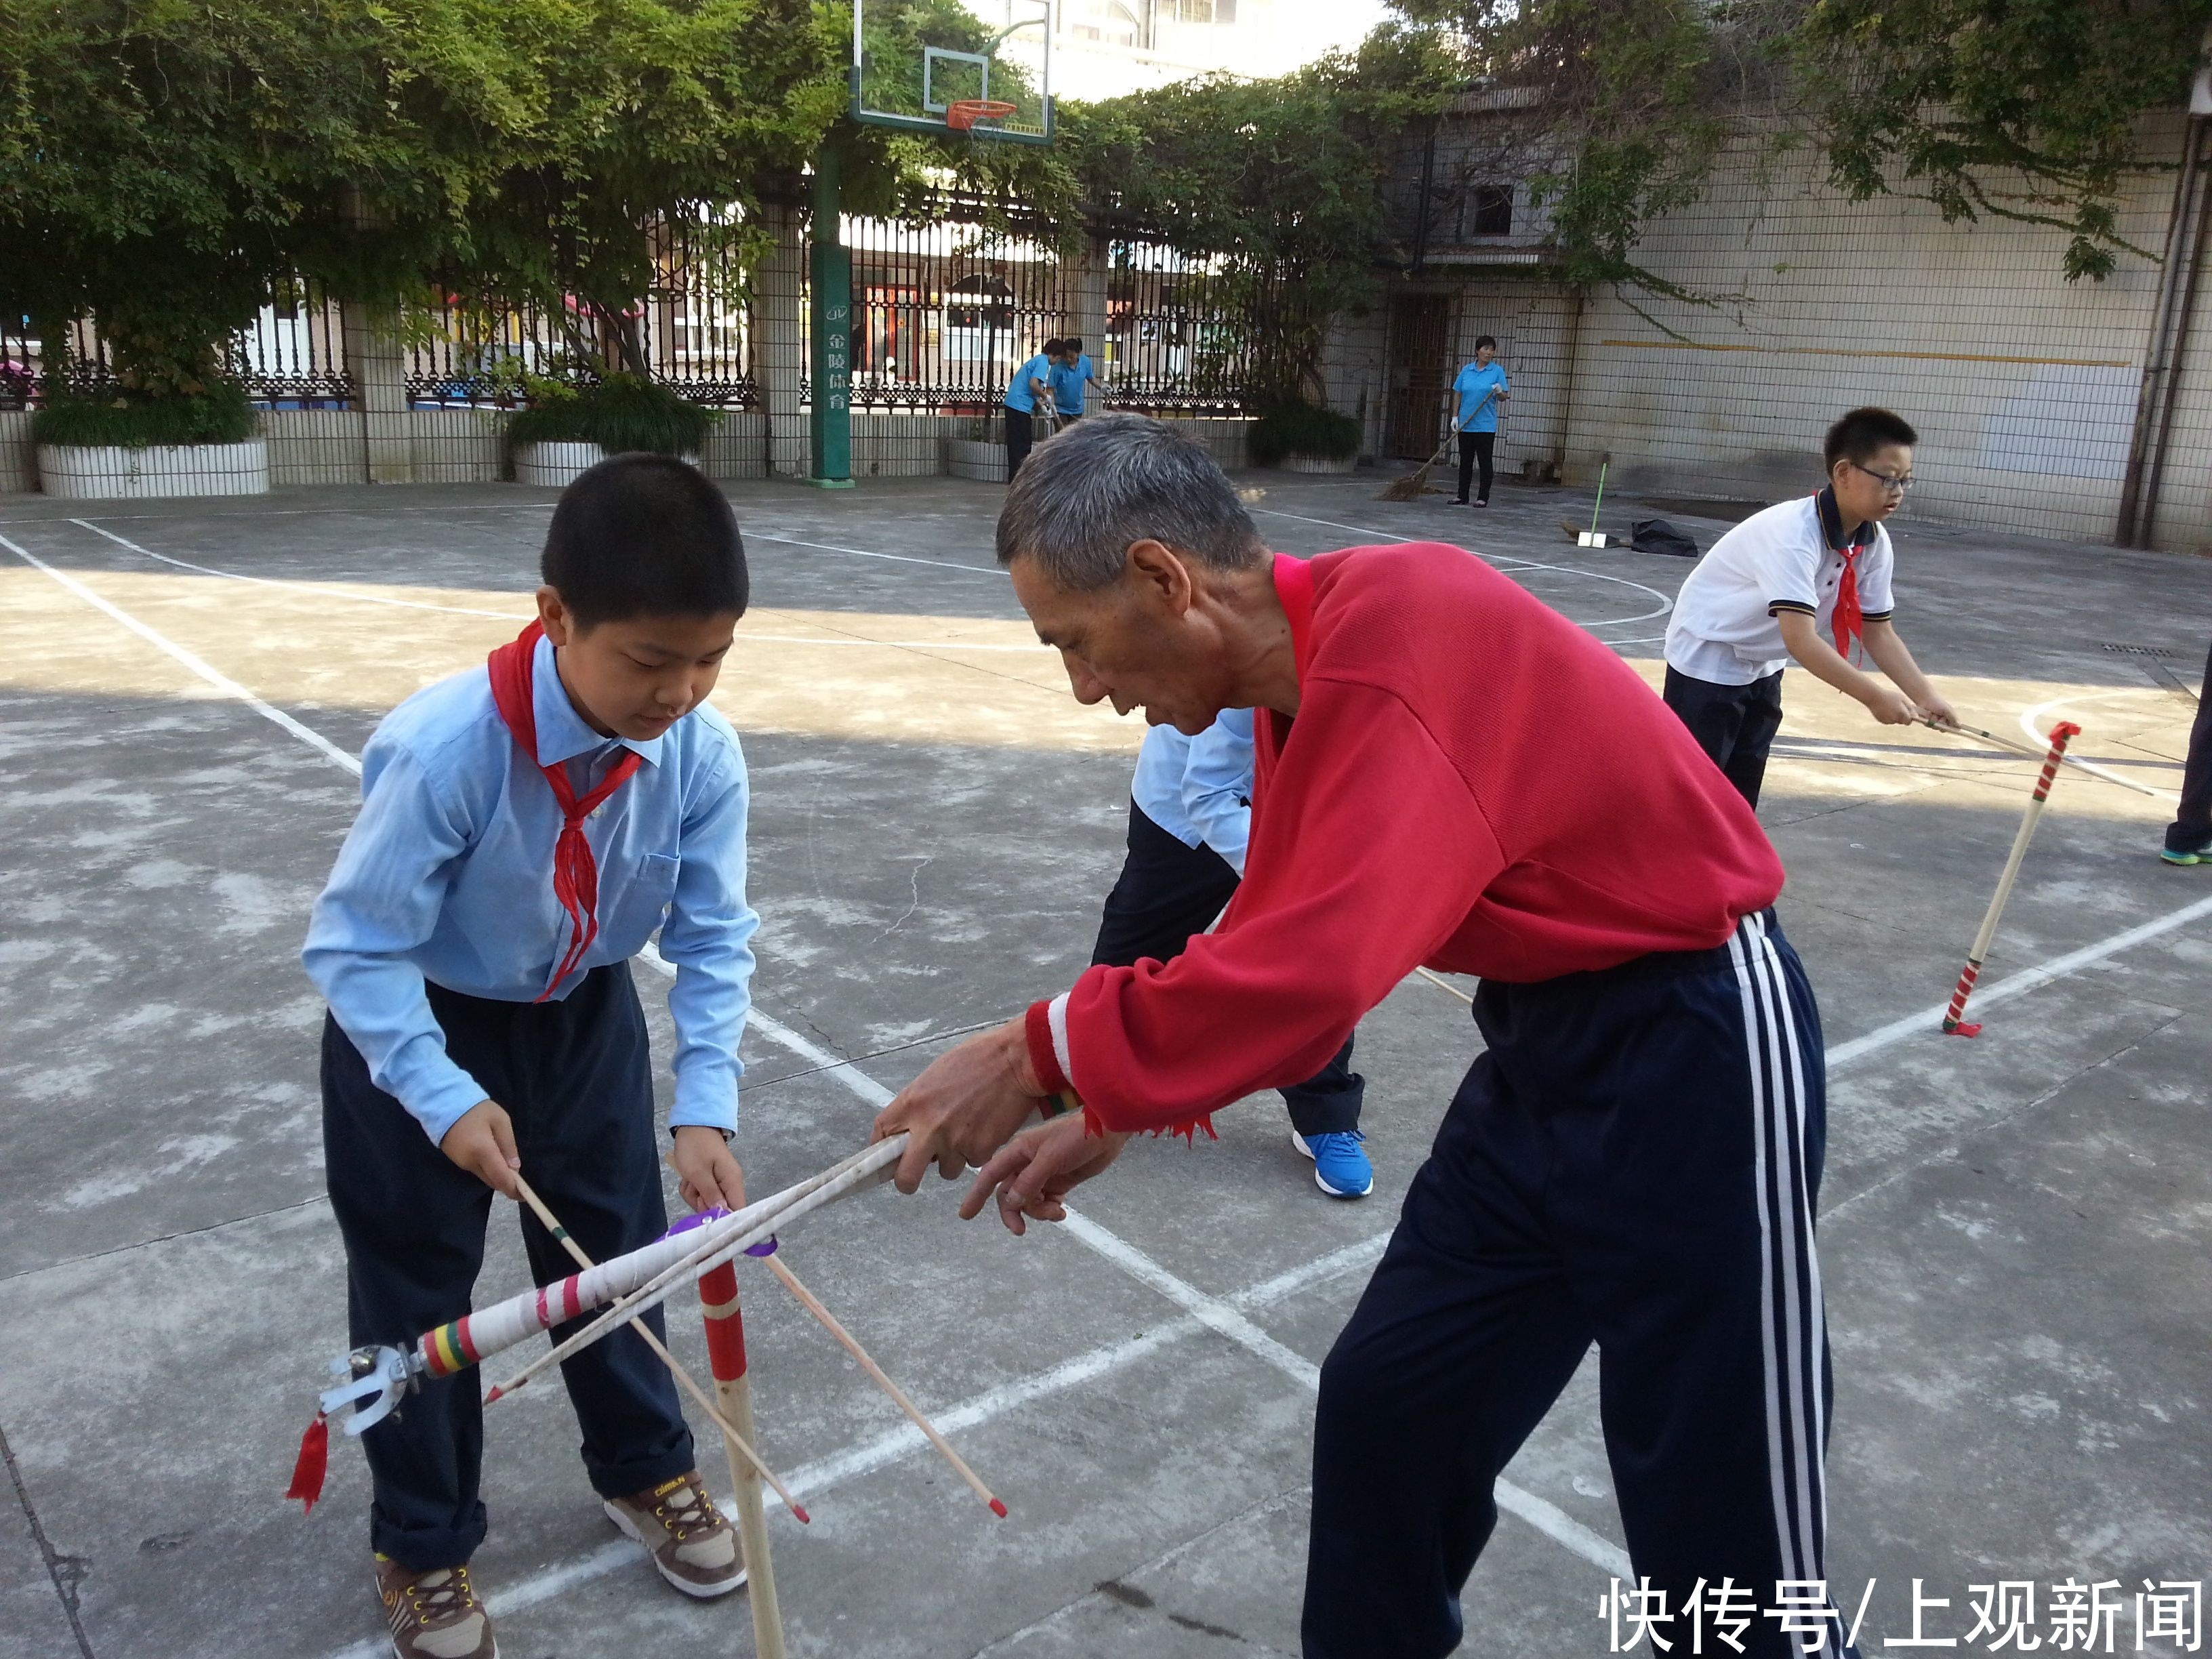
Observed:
{"x":576,"y":1078}
{"x":1634,"y":1163}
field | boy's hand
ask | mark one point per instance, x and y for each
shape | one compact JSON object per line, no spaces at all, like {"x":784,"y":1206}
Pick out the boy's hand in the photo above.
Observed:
{"x":1891,"y":705}
{"x":481,"y":1141}
{"x":1938,"y":710}
{"x":707,"y":1176}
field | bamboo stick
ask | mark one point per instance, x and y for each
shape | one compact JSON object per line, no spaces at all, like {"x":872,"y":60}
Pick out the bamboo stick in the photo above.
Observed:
{"x":828,"y":1322}
{"x":738,"y":1441}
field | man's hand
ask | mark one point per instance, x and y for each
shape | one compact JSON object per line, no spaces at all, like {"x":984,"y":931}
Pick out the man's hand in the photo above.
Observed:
{"x":1890,"y":706}
{"x":481,"y":1141}
{"x":965,"y":1106}
{"x":1033,"y":1172}
{"x":707,"y":1176}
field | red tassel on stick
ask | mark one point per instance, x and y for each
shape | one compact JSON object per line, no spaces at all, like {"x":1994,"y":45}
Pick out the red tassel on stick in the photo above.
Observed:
{"x":314,"y":1458}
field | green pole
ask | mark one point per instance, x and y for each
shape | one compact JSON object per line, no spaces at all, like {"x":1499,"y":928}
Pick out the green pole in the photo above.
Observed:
{"x":831,"y":333}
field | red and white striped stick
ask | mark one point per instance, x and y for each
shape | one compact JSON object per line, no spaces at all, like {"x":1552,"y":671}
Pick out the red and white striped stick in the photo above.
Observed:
{"x":1954,"y":1025}
{"x":734,"y":1391}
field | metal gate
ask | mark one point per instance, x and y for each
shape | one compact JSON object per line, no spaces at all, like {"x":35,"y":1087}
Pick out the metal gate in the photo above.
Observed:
{"x":1420,"y":344}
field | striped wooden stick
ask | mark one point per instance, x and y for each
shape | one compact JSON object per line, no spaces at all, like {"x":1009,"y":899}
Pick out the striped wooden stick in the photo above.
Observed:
{"x":725,"y":1354}
{"x":1954,"y":1024}
{"x":737,"y":1440}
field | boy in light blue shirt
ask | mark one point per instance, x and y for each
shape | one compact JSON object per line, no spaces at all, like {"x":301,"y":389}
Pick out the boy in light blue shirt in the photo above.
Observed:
{"x":1480,"y":386}
{"x":1190,"y":818}
{"x":1030,"y":387}
{"x":524,"y":827}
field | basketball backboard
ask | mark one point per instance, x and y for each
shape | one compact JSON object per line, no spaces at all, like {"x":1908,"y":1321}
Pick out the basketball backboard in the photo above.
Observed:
{"x":914,"y":60}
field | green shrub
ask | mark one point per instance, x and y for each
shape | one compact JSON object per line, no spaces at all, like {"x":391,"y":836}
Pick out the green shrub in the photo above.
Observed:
{"x":223,"y":413}
{"x":622,"y":412}
{"x":1293,"y":427}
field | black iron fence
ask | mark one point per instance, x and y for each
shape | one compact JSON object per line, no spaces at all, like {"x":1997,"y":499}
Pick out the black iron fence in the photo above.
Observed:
{"x":946,"y":307}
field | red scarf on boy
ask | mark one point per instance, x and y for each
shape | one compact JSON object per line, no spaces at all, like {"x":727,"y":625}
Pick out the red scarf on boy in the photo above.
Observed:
{"x":575,"y":873}
{"x":1850,"y":621}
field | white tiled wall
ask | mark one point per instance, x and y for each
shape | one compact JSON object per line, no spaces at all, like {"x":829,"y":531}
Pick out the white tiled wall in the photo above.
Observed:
{"x":2022,"y":385}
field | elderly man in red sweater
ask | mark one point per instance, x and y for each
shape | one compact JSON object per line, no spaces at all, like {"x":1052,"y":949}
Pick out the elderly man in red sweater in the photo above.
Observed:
{"x":1451,"y":773}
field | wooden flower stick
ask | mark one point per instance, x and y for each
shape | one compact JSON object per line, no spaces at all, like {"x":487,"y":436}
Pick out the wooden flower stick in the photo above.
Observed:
{"x":737,"y":1441}
{"x":1955,"y":1022}
{"x":726,"y":1350}
{"x":828,"y":1322}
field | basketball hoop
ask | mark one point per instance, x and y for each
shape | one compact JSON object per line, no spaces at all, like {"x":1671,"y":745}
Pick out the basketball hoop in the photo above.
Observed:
{"x":963,"y":116}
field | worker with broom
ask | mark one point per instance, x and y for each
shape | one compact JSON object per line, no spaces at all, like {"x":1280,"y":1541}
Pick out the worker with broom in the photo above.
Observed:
{"x":1481,"y":388}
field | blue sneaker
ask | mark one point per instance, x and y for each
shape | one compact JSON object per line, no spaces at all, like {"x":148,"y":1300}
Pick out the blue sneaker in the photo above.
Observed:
{"x":2184,"y":855}
{"x":1340,"y":1165}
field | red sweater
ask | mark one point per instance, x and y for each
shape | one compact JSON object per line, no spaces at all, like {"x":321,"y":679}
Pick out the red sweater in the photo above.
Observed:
{"x":1472,"y":783}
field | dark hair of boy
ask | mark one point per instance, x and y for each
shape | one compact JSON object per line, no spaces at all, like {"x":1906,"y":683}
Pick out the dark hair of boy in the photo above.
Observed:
{"x":1053,"y":347}
{"x":1482,"y":340}
{"x":1863,"y":433}
{"x":643,"y":535}
{"x":1073,"y":343}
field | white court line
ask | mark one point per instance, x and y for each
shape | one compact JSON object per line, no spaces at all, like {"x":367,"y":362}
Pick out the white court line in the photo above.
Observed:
{"x":1216,"y":1314}
{"x":331,"y":590}
{"x":1666,"y":604}
{"x":894,"y":1444}
{"x":2018,"y":984}
{"x":222,"y":683}
{"x":866,"y":553}
{"x":2027,"y":718}
{"x":1219,"y":1315}
{"x":326,"y":589}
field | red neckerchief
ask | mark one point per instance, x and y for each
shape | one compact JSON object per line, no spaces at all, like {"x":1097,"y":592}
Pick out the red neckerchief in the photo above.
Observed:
{"x":1850,"y":622}
{"x":575,"y":873}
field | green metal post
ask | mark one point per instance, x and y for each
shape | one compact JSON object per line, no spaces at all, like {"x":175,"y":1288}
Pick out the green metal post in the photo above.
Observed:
{"x":831,"y":270}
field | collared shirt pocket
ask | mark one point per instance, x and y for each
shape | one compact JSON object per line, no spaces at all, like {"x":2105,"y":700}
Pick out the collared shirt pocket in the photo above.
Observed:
{"x":638,"y":907}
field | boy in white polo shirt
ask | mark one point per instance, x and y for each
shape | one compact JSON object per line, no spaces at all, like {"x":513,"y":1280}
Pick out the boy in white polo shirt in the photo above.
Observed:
{"x":1781,"y":584}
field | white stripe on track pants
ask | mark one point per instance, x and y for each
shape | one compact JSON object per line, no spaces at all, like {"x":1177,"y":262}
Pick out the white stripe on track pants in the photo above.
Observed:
{"x":1632,"y":1162}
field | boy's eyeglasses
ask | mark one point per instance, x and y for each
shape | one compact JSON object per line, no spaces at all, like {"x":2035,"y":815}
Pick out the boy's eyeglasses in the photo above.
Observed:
{"x":1893,"y":486}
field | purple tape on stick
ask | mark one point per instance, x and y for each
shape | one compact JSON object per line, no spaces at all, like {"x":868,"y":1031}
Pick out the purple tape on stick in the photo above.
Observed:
{"x":698,"y":1220}
{"x":766,"y":1247}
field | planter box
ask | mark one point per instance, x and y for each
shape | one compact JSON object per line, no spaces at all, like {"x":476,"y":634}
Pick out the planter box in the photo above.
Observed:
{"x":1317,"y":463}
{"x":555,"y":466}
{"x":984,"y":460}
{"x":109,"y":472}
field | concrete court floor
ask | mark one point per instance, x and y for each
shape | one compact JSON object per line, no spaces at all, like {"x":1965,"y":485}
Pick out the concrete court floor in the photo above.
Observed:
{"x":2015,"y":1230}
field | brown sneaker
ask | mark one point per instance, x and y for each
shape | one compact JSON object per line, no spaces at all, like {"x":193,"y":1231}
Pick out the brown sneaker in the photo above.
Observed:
{"x":694,"y":1547}
{"x":435,"y":1614}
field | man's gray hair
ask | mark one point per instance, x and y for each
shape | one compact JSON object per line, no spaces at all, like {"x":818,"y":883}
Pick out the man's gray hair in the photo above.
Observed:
{"x":1080,"y":501}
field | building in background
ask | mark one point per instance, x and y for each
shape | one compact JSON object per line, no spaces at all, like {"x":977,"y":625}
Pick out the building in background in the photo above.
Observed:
{"x":1105,"y":48}
{"x":2080,"y":409}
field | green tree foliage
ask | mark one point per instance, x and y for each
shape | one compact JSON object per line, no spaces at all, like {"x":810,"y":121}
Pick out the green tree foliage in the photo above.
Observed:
{"x":1618,"y":105}
{"x":162,"y":161}
{"x":1288,"y":170}
{"x":2022,"y":109}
